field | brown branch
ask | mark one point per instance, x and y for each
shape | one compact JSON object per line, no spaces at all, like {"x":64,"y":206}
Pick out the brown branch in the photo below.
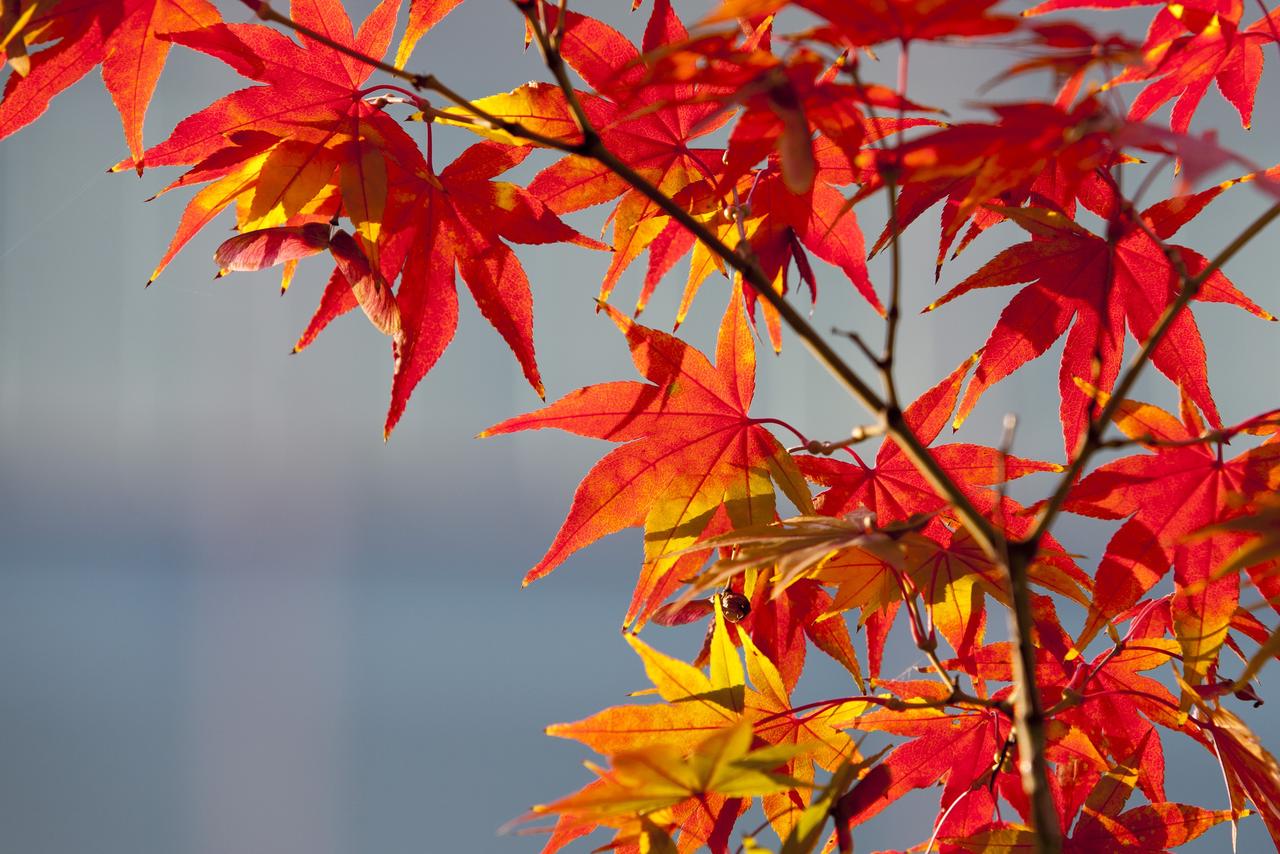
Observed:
{"x":1028,"y":716}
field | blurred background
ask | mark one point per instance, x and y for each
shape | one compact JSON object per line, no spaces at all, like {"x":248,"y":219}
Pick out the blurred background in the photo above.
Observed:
{"x":233,"y":620}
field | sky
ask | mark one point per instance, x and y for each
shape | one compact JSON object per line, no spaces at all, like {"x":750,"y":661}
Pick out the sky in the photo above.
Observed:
{"x":232,"y":619}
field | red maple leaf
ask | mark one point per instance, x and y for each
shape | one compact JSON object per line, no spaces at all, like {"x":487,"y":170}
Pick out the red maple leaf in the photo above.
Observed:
{"x":459,"y":220}
{"x":1096,"y":286}
{"x":303,"y":148}
{"x":690,"y":446}
{"x":1187,"y":53}
{"x":127,"y":37}
{"x":1188,"y":48}
{"x":312,"y":91}
{"x":1183,"y":486}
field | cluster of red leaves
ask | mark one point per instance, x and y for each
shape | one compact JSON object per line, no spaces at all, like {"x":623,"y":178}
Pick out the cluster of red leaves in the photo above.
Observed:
{"x":313,"y":161}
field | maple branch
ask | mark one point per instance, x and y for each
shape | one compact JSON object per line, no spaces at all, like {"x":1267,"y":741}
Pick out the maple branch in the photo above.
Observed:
{"x":1028,"y":712}
{"x":1028,"y":717}
{"x":893,"y":315}
{"x":861,"y":344}
{"x":1028,"y":709}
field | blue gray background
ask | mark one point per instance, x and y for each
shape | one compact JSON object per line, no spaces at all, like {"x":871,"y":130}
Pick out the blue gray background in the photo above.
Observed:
{"x":233,"y":621}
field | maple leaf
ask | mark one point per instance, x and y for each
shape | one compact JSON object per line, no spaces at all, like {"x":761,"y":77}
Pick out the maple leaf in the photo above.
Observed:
{"x":643,"y":780}
{"x":307,"y":147}
{"x":1095,"y":286}
{"x":312,"y":94}
{"x":303,"y":148}
{"x":696,"y":704}
{"x":461,"y":217}
{"x":1188,"y":48}
{"x":1184,"y":486}
{"x":689,"y":445}
{"x":128,"y":38}
{"x":433,"y":226}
